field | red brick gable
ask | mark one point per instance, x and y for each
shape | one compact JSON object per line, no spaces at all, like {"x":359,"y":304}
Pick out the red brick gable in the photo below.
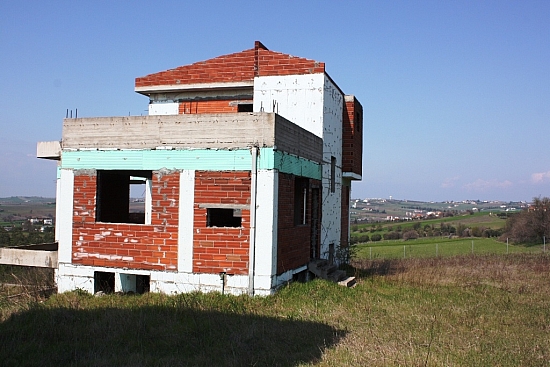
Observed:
{"x":235,"y":67}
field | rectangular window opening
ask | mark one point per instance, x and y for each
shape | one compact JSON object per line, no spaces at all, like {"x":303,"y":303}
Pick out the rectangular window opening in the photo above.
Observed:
{"x":221,"y":217}
{"x":301,"y":188}
{"x":332,"y":174}
{"x":124,"y":197}
{"x":142,"y":284}
{"x":244,"y":107}
{"x":104,"y":282}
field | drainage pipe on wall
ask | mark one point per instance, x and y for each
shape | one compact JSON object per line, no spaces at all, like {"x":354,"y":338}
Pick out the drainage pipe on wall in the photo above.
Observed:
{"x":253,"y":191}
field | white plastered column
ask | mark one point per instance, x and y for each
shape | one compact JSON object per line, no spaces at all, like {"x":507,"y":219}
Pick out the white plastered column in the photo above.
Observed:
{"x":64,"y":220}
{"x":266,"y":230}
{"x":58,"y":196}
{"x":186,"y":219}
{"x":333,"y":103}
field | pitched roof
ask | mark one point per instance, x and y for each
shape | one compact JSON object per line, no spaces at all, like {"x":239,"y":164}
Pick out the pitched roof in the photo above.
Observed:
{"x":235,"y":67}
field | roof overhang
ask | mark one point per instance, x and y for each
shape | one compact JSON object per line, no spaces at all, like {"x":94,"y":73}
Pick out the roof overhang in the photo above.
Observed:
{"x":48,"y":150}
{"x":152,"y":89}
{"x":352,"y":176}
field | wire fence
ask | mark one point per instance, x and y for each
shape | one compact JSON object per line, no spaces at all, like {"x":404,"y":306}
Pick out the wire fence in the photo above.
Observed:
{"x":399,"y":249}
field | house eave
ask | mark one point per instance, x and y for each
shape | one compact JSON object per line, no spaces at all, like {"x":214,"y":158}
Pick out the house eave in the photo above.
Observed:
{"x":352,"y":176}
{"x":48,"y":150}
{"x":148,"y":90}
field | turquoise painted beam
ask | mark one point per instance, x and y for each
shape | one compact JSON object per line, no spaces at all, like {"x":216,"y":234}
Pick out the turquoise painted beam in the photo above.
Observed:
{"x":195,"y":159}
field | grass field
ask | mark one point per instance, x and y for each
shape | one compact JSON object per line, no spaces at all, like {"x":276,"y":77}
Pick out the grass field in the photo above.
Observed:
{"x":26,"y":207}
{"x":483,"y":310}
{"x":429,"y":247}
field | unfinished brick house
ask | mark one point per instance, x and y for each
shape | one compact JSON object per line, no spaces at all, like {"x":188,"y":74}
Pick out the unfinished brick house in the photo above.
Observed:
{"x":246,"y":162}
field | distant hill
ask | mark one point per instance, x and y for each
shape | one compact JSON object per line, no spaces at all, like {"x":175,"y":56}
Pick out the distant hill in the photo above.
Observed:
{"x":379,"y":209}
{"x":26,"y":199}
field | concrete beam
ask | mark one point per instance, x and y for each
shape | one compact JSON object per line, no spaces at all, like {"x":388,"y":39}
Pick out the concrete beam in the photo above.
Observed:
{"x":48,"y":150}
{"x":191,"y":131}
{"x":23,"y":257}
{"x":247,"y":84}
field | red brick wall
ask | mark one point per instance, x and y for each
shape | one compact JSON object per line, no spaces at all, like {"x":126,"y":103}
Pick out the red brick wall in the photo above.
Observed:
{"x":217,"y":250}
{"x":352,"y":142}
{"x":293,"y":247}
{"x":209,"y":107}
{"x":276,"y":63}
{"x":121,"y":245}
{"x":235,"y":67}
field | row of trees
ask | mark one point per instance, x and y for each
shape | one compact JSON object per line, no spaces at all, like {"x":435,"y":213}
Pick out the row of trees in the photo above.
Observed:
{"x":445,"y":230}
{"x":530,"y":226}
{"x":18,"y":237}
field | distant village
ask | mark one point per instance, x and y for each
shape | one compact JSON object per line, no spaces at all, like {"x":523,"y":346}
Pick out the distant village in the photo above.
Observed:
{"x":27,"y":214}
{"x":41,"y":224}
{"x":361,"y":210}
{"x":380,"y":209}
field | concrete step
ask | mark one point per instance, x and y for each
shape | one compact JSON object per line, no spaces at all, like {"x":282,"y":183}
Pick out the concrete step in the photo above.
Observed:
{"x":318,"y":267}
{"x":323,"y":270}
{"x":349,"y":282}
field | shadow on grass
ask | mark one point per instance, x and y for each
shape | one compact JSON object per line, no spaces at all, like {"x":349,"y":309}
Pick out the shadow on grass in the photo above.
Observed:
{"x":159,"y":336}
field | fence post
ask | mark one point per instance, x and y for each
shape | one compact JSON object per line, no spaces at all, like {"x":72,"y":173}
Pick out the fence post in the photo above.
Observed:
{"x":472,"y":247}
{"x":370,"y":253}
{"x":507,"y":245}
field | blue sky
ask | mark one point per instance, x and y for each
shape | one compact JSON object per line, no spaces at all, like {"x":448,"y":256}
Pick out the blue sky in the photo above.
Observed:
{"x":456,"y":94}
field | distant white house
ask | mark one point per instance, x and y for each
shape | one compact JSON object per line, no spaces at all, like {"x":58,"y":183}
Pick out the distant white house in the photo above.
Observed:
{"x":41,"y":220}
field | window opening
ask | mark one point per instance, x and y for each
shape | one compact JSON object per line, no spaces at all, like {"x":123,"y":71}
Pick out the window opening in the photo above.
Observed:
{"x":300,"y":200}
{"x":124,"y":197}
{"x":358,"y":122}
{"x":332,"y":174}
{"x":104,"y":282}
{"x":221,"y":217}
{"x":142,"y":284}
{"x":244,"y":107}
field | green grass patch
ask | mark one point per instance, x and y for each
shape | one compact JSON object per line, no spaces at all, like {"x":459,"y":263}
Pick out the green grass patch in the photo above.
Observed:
{"x":484,"y":310}
{"x":484,"y":219}
{"x":430,"y":247}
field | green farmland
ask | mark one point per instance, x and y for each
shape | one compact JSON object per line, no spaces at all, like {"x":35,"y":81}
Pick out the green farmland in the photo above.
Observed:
{"x":430,"y":247}
{"x":442,"y":237}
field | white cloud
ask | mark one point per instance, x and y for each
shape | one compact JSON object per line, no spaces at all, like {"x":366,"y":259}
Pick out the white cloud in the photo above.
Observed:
{"x":540,"y":177}
{"x":482,"y":185}
{"x":450,"y":182}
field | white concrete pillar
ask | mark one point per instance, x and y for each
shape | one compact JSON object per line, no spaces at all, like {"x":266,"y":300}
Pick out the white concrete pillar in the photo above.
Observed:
{"x":186,"y":220}
{"x":266,"y":229}
{"x":64,"y":220}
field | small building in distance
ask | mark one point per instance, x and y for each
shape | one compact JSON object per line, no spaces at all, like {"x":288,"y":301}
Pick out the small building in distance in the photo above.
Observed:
{"x":244,"y":162}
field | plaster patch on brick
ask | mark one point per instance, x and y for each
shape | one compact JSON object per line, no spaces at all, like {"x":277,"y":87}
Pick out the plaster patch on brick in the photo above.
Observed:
{"x":85,"y":172}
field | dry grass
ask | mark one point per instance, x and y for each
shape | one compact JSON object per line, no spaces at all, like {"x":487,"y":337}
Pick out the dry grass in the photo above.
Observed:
{"x":21,"y":286}
{"x":489,"y":310}
{"x":465,"y":310}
